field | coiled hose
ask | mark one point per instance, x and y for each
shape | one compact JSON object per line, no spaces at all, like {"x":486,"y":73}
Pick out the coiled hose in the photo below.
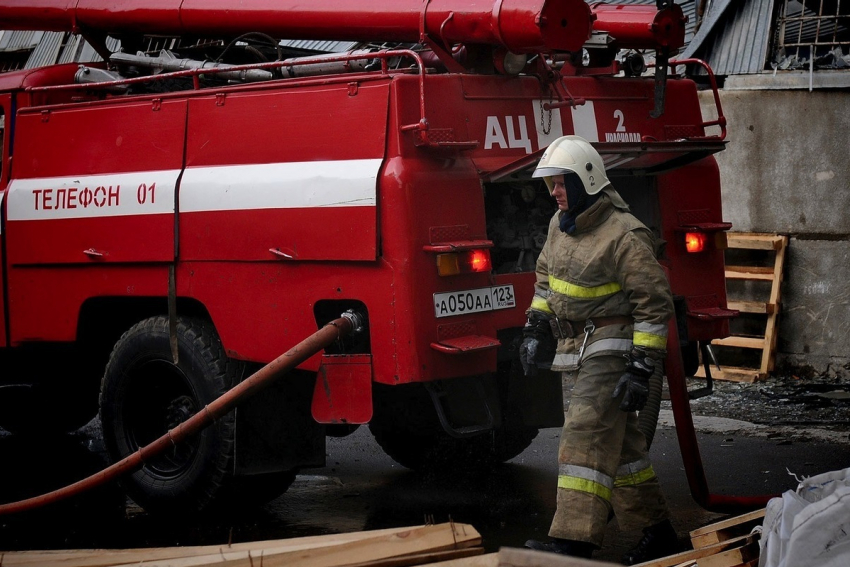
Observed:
{"x":648,"y":416}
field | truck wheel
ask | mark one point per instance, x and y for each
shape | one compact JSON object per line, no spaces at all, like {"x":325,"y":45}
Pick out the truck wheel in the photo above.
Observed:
{"x":144,"y":394}
{"x":257,"y":489}
{"x":511,"y":443}
{"x":439,"y":451}
{"x":406,"y":427}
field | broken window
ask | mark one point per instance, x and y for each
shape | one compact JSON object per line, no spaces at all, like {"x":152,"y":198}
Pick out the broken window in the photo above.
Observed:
{"x":812,"y":34}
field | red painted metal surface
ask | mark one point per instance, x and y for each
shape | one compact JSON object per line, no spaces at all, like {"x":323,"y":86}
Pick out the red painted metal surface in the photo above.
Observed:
{"x":148,"y":238}
{"x":720,"y":121}
{"x":343,"y":393}
{"x":685,"y":196}
{"x":45,"y":301}
{"x":421,"y":195}
{"x":522,"y":26}
{"x":5,"y":165}
{"x":641,"y":27}
{"x":107,"y":137}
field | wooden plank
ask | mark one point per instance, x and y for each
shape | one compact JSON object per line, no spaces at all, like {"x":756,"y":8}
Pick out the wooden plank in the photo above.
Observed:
{"x":753,"y":241}
{"x":768,"y":356}
{"x":448,"y":536}
{"x":756,"y":307}
{"x":514,"y":557}
{"x":754,"y":273}
{"x":418,"y":559}
{"x":486,"y":560}
{"x":698,"y":554}
{"x":105,"y":557}
{"x":730,"y":522}
{"x":726,"y":529}
{"x":741,"y":342}
{"x":732,"y":374}
{"x":732,"y":557}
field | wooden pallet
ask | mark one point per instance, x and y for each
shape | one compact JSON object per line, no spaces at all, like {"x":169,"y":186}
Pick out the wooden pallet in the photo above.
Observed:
{"x":769,"y":308}
{"x":726,"y":529}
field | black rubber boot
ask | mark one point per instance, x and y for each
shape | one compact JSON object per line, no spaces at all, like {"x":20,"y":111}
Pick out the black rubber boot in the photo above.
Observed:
{"x":563,"y":547}
{"x":659,"y":540}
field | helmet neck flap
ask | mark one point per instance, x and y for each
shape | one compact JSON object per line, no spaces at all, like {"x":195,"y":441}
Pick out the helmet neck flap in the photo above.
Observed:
{"x":578,"y":200}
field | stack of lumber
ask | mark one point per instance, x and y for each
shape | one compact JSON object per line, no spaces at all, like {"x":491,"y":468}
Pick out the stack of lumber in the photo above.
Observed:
{"x":729,"y":543}
{"x":443,"y":545}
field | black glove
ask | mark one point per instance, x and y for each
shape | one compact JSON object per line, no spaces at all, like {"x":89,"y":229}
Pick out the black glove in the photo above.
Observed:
{"x":538,"y":345}
{"x":635,"y":382}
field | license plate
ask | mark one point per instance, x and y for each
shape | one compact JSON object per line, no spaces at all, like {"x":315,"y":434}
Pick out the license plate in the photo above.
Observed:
{"x":474,"y":300}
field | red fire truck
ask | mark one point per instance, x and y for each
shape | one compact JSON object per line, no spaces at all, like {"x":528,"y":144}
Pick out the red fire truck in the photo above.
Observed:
{"x":174,"y":217}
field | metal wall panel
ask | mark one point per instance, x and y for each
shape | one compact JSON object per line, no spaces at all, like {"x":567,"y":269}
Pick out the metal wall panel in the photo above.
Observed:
{"x":738,"y":43}
{"x":320,"y":46}
{"x":16,"y":40}
{"x":47,"y":50}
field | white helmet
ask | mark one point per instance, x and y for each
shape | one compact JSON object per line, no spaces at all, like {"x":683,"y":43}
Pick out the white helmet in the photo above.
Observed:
{"x":573,"y":154}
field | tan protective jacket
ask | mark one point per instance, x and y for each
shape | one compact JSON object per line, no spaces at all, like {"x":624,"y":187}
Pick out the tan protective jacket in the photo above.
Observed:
{"x":607,"y":267}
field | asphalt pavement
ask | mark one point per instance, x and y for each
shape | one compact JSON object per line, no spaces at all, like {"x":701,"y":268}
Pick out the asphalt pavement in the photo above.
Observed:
{"x":361,"y":488}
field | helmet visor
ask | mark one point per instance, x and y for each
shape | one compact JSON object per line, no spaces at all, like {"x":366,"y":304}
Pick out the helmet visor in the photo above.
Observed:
{"x":550,"y":171}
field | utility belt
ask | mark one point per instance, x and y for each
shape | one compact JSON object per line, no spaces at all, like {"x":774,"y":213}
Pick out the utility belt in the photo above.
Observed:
{"x":565,"y":329}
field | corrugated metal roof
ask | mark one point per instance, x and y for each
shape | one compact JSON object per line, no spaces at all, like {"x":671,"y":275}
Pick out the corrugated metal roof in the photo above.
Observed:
{"x":61,"y":47}
{"x":320,"y":46}
{"x":736,"y":37}
{"x":16,"y":40}
{"x":47,"y":50}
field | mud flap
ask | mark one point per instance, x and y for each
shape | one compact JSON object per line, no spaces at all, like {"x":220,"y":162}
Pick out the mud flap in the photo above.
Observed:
{"x":343,"y":392}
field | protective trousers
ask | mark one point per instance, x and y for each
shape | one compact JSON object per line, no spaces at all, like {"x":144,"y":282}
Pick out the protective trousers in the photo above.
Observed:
{"x":603,"y":462}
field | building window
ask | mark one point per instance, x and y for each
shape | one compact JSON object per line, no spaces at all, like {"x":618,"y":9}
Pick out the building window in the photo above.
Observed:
{"x":812,"y":34}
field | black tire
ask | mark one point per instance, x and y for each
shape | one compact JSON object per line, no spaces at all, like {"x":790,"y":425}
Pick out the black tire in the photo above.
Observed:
{"x":144,"y":394}
{"x":407,"y":429}
{"x":255,"y":490}
{"x":441,"y":452}
{"x":511,"y":443}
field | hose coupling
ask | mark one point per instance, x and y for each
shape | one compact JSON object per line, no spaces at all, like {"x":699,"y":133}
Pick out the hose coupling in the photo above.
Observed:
{"x":357,"y":320}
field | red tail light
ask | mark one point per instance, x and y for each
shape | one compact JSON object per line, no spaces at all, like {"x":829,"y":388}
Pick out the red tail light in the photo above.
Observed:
{"x":453,"y":263}
{"x":695,"y":242}
{"x":479,"y":260}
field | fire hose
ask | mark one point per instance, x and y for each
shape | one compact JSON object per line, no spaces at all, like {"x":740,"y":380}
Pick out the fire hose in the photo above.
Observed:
{"x":648,"y":416}
{"x":332,"y":331}
{"x":686,"y":433}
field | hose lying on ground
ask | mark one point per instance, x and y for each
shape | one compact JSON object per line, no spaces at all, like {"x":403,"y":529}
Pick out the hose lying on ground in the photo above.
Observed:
{"x":331,"y":332}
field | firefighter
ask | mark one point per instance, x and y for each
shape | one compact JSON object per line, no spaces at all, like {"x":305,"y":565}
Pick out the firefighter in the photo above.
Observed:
{"x":602,"y":294}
